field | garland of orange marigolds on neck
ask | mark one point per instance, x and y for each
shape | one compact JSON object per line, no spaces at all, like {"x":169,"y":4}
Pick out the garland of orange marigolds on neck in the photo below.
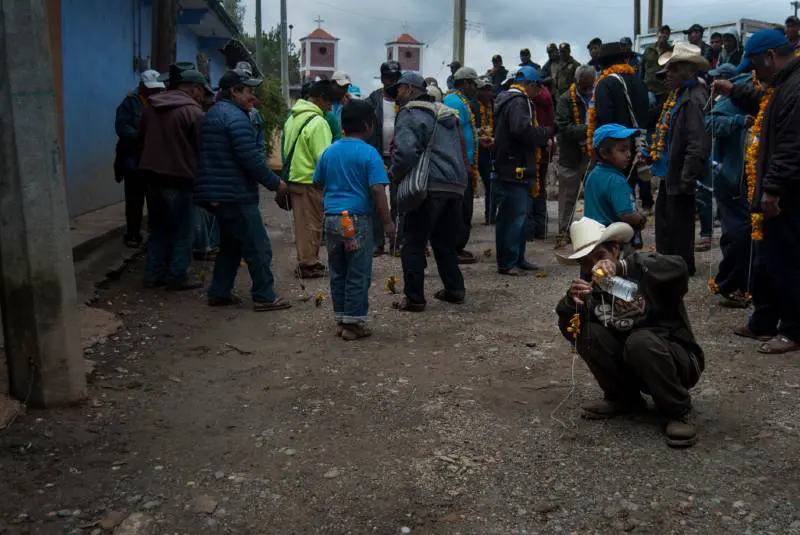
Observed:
{"x":592,"y":113}
{"x":487,"y":119}
{"x":662,"y":127}
{"x":475,"y":139}
{"x":537,"y":153}
{"x":576,"y":114}
{"x":751,"y":163}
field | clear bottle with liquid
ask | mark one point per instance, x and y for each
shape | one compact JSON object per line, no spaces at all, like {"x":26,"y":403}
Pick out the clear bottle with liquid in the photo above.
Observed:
{"x":617,"y":286}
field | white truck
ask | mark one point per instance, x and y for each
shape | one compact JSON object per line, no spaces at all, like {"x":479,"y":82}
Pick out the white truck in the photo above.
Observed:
{"x":745,"y":27}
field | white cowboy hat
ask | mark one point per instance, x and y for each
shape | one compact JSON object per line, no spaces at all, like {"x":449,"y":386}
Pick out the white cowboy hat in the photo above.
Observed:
{"x":683,"y":52}
{"x":586,"y":234}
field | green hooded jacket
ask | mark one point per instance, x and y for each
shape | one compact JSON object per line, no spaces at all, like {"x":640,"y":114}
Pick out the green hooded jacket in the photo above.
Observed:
{"x":314,"y":139}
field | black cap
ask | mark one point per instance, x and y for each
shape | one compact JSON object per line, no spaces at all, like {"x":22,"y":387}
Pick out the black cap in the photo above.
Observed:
{"x":665,"y":28}
{"x":236,"y":78}
{"x":792,"y":20}
{"x":552,"y":46}
{"x":593,"y":42}
{"x":696,"y":28}
{"x":390,"y":68}
{"x":321,"y":88}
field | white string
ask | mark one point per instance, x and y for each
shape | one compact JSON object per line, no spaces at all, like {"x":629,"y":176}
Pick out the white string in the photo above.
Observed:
{"x":569,"y":395}
{"x":713,"y":176}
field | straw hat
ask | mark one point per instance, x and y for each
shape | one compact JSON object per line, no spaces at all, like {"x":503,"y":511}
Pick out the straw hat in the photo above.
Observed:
{"x":586,"y":234}
{"x":684,"y":53}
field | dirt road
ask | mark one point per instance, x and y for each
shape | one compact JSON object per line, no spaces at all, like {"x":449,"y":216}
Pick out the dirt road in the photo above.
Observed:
{"x":227,"y":421}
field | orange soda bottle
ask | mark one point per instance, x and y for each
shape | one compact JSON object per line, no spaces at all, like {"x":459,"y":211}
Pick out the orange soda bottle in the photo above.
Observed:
{"x":348,"y":229}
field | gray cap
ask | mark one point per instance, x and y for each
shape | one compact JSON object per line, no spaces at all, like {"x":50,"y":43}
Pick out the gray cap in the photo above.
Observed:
{"x":412,"y":78}
{"x":465,"y":73}
{"x":483,"y":81}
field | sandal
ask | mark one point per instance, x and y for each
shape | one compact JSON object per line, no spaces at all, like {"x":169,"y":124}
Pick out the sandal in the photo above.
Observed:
{"x":465,"y":257}
{"x":449,"y":297}
{"x":354,"y":331}
{"x":778,"y":346}
{"x":407,"y":306}
{"x":278,"y":304}
{"x":745,"y":332}
{"x":735,"y":299}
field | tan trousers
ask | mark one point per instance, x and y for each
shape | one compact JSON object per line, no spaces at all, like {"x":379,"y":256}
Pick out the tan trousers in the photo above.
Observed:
{"x":569,"y":183}
{"x":307,"y":214}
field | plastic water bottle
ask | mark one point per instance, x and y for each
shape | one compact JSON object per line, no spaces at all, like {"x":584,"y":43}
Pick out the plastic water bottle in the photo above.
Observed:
{"x":348,"y":229}
{"x":617,"y":286}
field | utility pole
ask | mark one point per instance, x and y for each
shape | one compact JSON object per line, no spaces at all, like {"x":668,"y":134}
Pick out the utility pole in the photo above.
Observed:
{"x":795,"y":5}
{"x":655,"y":15}
{"x":284,"y":54}
{"x":37,"y":277}
{"x":637,"y":18}
{"x":459,"y":29}
{"x":258,"y":36}
{"x":165,"y":24}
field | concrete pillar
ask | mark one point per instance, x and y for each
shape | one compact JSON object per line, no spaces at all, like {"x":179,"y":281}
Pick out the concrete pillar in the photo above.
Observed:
{"x":37,"y":278}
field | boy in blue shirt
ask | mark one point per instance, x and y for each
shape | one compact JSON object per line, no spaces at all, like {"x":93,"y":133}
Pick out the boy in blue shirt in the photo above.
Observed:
{"x":608,"y":198}
{"x":353,"y":179}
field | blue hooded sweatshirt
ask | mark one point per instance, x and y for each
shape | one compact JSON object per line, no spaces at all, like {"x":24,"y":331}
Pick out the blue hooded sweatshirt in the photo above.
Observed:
{"x":726,"y":125}
{"x":451,"y":100}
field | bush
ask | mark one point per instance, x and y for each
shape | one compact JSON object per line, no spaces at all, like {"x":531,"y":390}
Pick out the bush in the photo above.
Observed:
{"x":273,"y":110}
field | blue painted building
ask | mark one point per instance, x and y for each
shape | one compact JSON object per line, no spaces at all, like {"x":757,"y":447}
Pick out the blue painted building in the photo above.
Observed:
{"x":104,"y":44}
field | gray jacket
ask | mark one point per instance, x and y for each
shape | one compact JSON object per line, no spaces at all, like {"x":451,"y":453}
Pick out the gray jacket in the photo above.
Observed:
{"x":412,"y":130}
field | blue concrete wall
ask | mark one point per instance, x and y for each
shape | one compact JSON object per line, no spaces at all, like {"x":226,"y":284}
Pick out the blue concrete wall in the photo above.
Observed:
{"x":100,"y":39}
{"x":98,"y":51}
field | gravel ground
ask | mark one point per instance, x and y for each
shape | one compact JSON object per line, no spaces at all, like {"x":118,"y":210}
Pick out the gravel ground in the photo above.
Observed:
{"x":463,"y":419}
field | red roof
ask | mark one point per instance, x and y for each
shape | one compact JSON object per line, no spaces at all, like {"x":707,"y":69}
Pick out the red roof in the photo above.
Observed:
{"x":319,"y":33}
{"x":406,"y":39}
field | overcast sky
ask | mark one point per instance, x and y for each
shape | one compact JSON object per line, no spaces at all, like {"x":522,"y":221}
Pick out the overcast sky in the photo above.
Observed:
{"x":494,"y":26}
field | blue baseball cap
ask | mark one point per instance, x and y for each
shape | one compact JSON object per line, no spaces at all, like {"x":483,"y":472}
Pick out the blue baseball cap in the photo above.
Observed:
{"x":611,"y":131}
{"x":728,"y":70}
{"x":527,"y":74}
{"x":759,"y":43}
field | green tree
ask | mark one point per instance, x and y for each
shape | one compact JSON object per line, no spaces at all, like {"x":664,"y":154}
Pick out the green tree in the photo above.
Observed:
{"x":271,"y":55}
{"x":236,"y":10}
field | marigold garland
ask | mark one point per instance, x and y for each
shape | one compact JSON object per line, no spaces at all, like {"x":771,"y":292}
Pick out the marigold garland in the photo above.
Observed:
{"x":576,"y":114}
{"x":662,"y":127}
{"x":751,"y":164}
{"x":537,"y":154}
{"x":475,"y":139}
{"x":713,"y":287}
{"x":591,"y":115}
{"x":575,"y":325}
{"x":487,"y":119}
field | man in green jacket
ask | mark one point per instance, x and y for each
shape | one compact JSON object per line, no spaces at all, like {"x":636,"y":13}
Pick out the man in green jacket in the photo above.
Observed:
{"x":572,"y":149}
{"x":308,"y":132}
{"x":565,"y":76}
{"x":656,"y":86}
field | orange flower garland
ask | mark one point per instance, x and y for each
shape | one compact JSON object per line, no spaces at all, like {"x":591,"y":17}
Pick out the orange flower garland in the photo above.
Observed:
{"x":592,"y":113}
{"x":576,"y":114}
{"x":537,"y":154}
{"x":487,"y":119}
{"x":662,"y":127}
{"x":751,"y":164}
{"x":575,"y":326}
{"x":475,"y":140}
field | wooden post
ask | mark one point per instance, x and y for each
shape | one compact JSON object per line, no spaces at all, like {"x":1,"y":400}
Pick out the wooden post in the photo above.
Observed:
{"x":637,"y":18}
{"x":37,"y":277}
{"x":165,"y":27}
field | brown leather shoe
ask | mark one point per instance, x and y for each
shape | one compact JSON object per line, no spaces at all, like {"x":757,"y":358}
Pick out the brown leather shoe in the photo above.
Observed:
{"x":681,"y":432}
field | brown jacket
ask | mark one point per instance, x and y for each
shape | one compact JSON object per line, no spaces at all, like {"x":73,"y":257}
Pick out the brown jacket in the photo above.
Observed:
{"x":689,"y":142}
{"x":170,"y":133}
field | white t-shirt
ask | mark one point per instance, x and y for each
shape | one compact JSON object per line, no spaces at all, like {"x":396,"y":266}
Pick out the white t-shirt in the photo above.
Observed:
{"x":388,"y":125}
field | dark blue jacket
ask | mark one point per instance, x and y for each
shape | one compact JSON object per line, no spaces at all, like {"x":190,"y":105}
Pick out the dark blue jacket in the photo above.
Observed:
{"x":725,"y":123}
{"x":231,"y":162}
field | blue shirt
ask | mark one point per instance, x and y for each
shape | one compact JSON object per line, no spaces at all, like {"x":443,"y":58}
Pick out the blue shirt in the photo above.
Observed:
{"x":607,"y":195}
{"x":346,"y":171}
{"x":451,"y":100}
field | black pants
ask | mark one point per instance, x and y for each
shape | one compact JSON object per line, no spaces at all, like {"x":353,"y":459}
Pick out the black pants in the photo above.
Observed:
{"x":397,"y":219}
{"x":782,"y":262}
{"x":641,"y":361}
{"x":135,"y":198}
{"x":675,"y":226}
{"x":438,"y":220}
{"x":734,"y":268}
{"x":467,"y":209}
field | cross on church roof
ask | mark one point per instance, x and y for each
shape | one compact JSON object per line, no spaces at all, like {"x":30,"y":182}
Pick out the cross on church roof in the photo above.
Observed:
{"x":319,"y":20}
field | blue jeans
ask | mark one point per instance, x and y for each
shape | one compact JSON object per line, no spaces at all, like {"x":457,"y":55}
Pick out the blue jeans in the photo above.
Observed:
{"x":170,"y":245}
{"x":536,"y":222}
{"x":242,"y":235}
{"x":351,"y":271}
{"x":206,"y":231}
{"x":512,"y":212}
{"x":705,"y":210}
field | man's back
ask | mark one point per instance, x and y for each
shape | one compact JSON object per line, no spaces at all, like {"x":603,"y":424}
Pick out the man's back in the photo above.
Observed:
{"x":612,"y":105}
{"x":346,"y":171}
{"x":311,"y":141}
{"x":170,"y":133}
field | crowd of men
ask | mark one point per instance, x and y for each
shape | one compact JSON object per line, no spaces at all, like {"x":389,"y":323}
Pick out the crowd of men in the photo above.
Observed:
{"x":690,"y":118}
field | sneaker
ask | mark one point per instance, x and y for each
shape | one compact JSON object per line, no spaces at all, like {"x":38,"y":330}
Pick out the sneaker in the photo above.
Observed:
{"x":681,"y":432}
{"x":231,"y":300}
{"x":704,"y":244}
{"x":466,"y":257}
{"x":605,"y":409}
{"x":184,"y":286}
{"x":527,"y":266}
{"x":735,"y":299}
{"x":355,"y":331}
